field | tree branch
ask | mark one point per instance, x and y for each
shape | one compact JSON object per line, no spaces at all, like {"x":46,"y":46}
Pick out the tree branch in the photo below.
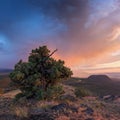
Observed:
{"x":50,"y":54}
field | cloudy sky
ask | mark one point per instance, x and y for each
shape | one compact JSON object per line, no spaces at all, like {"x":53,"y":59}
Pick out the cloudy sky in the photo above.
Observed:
{"x":86,"y":32}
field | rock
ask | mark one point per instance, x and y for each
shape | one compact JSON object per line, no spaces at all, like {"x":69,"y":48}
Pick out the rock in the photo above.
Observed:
{"x":88,"y":111}
{"x":73,"y":109}
{"x":83,"y":105}
{"x":108,"y":98}
{"x":36,"y":111}
{"x":11,"y":94}
{"x":10,"y":117}
{"x":64,"y":109}
{"x":60,"y":107}
{"x":42,"y":116}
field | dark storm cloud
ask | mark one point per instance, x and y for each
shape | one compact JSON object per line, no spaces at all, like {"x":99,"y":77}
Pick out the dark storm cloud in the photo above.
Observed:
{"x":64,"y":10}
{"x":25,"y":23}
{"x":73,"y":14}
{"x":25,"y":20}
{"x":12,"y":11}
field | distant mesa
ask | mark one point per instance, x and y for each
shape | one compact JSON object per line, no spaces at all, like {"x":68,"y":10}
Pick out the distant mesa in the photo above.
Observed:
{"x":100,"y":78}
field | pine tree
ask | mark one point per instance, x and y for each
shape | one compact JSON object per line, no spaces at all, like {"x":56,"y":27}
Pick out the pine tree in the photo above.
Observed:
{"x":39,"y":77}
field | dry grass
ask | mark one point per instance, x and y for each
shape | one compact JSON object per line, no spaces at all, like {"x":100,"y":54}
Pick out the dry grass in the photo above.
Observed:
{"x":103,"y":108}
{"x":21,"y":112}
{"x":63,"y":118}
{"x":45,"y":104}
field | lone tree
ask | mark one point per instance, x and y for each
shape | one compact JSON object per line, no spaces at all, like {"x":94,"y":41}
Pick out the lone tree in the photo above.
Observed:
{"x":39,"y":77}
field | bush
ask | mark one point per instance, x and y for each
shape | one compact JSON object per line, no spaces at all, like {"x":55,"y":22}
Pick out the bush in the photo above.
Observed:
{"x":82,"y":92}
{"x":38,"y":77}
{"x":18,"y":96}
{"x":52,"y":93}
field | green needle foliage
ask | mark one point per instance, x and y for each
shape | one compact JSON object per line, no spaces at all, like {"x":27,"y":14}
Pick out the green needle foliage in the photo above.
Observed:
{"x":39,"y":77}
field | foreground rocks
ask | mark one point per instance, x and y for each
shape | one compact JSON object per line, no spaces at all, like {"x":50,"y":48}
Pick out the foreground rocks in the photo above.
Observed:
{"x":64,"y":111}
{"x":55,"y":112}
{"x":87,"y":108}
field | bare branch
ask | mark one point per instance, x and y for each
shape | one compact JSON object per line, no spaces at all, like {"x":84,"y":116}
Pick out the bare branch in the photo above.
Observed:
{"x":50,"y":54}
{"x":53,"y":52}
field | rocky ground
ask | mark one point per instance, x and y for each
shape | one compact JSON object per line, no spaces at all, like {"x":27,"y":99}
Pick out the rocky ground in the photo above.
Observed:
{"x":67,"y":108}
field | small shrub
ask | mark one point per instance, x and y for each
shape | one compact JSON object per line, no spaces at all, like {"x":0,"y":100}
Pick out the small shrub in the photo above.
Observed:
{"x":40,"y":94}
{"x":18,"y":96}
{"x":82,"y":92}
{"x":53,"y":92}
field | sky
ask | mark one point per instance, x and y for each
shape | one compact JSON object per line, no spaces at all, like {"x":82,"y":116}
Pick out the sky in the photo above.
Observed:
{"x":85,"y":32}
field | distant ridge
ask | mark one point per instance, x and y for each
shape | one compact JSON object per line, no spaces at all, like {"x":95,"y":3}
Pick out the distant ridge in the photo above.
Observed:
{"x":98,"y":78}
{"x":4,"y":70}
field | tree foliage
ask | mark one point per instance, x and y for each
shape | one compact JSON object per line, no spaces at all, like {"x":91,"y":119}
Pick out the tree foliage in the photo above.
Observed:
{"x":40,"y":75}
